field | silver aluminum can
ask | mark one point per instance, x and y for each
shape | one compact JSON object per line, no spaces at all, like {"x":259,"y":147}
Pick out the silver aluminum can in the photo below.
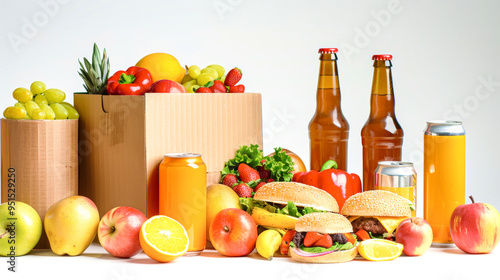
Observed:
{"x":398,"y":177}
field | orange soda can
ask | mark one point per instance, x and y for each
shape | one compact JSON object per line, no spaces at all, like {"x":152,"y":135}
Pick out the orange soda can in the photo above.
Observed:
{"x":444,"y":175}
{"x":183,"y":185}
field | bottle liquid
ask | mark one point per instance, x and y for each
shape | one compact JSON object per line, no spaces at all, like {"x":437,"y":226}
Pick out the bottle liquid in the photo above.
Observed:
{"x":381,"y":136}
{"x":328,"y":129}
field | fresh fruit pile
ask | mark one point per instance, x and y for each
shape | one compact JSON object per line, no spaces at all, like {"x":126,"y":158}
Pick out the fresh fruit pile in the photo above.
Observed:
{"x":211,"y":79}
{"x":40,"y":103}
{"x":156,"y":72}
{"x":72,"y":223}
{"x":249,"y":170}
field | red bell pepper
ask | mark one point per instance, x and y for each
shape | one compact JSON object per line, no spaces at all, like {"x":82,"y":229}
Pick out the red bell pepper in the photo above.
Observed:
{"x":340,"y":184}
{"x":134,"y":81}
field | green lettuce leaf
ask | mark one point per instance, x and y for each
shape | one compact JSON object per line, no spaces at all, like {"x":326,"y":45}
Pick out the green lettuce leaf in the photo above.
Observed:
{"x":336,"y":247}
{"x":280,"y":165}
{"x":248,"y":203}
{"x":250,"y":155}
{"x":290,"y":209}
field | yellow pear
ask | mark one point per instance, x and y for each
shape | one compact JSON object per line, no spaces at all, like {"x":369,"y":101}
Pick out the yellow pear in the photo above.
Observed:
{"x":71,"y":225}
{"x":219,"y":197}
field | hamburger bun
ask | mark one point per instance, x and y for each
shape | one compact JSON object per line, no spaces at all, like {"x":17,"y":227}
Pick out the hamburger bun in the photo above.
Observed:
{"x":323,"y":223}
{"x":326,"y":223}
{"x":333,"y":257}
{"x":377,"y":203}
{"x":300,"y":194}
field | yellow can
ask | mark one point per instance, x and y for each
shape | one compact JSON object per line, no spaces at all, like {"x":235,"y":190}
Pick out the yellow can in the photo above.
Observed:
{"x":183,"y":185}
{"x":444,"y":175}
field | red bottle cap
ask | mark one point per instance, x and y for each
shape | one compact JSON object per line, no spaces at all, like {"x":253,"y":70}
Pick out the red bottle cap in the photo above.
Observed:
{"x":328,"y":50}
{"x":382,"y":57}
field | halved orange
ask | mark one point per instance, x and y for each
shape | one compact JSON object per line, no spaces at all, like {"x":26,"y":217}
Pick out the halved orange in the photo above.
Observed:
{"x":380,"y":249}
{"x":163,"y":239}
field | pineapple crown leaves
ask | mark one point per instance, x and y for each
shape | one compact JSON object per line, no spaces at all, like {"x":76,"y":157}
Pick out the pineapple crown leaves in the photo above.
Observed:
{"x":95,"y":74}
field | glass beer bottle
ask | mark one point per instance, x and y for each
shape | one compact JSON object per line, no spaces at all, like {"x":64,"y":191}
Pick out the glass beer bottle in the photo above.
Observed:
{"x":328,"y":129}
{"x":381,"y":136}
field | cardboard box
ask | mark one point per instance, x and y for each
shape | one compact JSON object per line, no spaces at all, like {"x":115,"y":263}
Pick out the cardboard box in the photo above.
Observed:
{"x":39,"y":163}
{"x":122,"y":140}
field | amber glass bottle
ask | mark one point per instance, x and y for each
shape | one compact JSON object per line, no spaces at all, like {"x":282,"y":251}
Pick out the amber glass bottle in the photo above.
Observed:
{"x":382,"y":136}
{"x":328,"y":129}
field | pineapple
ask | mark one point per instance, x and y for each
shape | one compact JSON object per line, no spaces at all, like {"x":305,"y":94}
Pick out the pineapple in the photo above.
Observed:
{"x":95,"y":75}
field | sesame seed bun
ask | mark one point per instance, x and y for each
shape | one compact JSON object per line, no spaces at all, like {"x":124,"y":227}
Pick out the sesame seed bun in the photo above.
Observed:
{"x":334,"y":257}
{"x":300,"y":194}
{"x":323,"y":223}
{"x":377,"y":203}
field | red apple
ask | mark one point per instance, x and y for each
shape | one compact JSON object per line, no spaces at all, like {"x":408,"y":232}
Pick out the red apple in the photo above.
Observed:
{"x":416,"y":236}
{"x":119,"y":229}
{"x":167,"y":86}
{"x":475,"y":228}
{"x":233,"y":232}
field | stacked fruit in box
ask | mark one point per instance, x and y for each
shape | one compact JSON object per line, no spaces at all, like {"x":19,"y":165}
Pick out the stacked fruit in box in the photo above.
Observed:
{"x":40,"y":103}
{"x":156,"y":72}
{"x":211,"y":79}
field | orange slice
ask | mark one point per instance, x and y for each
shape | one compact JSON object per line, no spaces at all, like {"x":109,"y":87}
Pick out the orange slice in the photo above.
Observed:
{"x":380,"y":250}
{"x":163,"y":239}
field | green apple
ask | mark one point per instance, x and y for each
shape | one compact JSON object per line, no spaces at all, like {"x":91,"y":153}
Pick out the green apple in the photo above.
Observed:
{"x":20,"y":228}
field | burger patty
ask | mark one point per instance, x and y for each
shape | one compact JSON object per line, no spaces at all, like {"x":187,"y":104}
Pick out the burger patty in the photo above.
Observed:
{"x":298,"y":238}
{"x":369,"y":224}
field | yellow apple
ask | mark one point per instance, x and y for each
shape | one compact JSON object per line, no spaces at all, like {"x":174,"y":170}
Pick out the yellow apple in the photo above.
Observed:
{"x":71,"y":225}
{"x":219,"y":197}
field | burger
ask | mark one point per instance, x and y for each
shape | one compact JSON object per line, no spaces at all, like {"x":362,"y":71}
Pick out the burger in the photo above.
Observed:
{"x":279,"y":205}
{"x":323,"y":238}
{"x":376,"y":214}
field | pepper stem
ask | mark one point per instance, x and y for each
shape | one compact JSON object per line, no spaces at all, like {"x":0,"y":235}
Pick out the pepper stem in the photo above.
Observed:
{"x":471,"y":198}
{"x":329,"y":164}
{"x":126,"y":79}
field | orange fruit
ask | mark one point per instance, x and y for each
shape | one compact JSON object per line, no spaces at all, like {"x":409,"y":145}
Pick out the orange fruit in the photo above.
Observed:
{"x":163,"y":66}
{"x":380,"y":249}
{"x":163,"y":239}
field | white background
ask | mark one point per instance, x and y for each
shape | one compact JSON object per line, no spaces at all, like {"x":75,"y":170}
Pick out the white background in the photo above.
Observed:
{"x":446,"y":57}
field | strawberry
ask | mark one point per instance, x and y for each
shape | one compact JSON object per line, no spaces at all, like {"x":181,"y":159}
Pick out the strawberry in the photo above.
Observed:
{"x":230,"y":180}
{"x":258,"y":186}
{"x":325,"y":241}
{"x":263,"y":172}
{"x":218,"y":87}
{"x":311,"y":238}
{"x":269,"y":180}
{"x":237,"y":89}
{"x":247,"y":174}
{"x":243,"y":190}
{"x":204,"y":90}
{"x":233,"y":77}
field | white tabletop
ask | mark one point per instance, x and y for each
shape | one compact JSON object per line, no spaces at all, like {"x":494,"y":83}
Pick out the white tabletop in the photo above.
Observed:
{"x":95,"y":263}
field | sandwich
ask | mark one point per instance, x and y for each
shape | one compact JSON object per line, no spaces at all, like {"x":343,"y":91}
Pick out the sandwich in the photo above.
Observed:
{"x":376,"y":214}
{"x":279,"y":205}
{"x":323,"y":238}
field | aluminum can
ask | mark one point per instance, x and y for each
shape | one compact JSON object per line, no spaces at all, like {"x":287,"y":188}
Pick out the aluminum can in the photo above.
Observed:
{"x":444,"y":175}
{"x":398,"y":177}
{"x":182,"y":195}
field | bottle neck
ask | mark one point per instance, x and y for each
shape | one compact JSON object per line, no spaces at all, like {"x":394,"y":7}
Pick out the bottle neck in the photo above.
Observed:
{"x":328,"y":94}
{"x":382,"y":97}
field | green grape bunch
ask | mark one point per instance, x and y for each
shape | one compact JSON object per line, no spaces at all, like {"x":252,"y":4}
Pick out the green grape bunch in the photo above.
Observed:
{"x":40,"y":103}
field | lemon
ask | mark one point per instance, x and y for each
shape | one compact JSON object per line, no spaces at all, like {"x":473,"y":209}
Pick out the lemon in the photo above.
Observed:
{"x":268,"y":242}
{"x":380,"y":250}
{"x":162,"y":66}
